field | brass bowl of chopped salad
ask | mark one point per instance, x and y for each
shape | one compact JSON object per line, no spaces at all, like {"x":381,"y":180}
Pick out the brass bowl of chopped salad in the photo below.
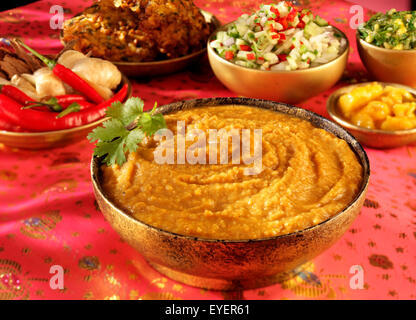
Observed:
{"x":278,"y":53}
{"x":386,"y":44}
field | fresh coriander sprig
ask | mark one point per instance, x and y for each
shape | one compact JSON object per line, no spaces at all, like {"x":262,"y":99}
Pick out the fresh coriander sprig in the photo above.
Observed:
{"x":126,"y":128}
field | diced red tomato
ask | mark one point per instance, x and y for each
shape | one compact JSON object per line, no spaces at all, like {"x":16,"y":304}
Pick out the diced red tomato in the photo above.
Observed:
{"x":283,"y":22}
{"x":291,"y":5}
{"x":292,"y":14}
{"x":251,"y":56}
{"x":292,"y":47}
{"x":275,"y":36}
{"x":244,"y":47}
{"x":282,"y":57}
{"x":301,"y":25}
{"x":229,"y":55}
{"x":275,"y":11}
{"x":309,"y":61}
{"x":282,"y":36}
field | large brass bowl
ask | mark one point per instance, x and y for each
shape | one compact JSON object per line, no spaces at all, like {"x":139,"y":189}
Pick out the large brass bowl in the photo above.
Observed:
{"x":388,"y":65}
{"x":226,"y":264}
{"x":284,"y":86}
{"x":374,"y":138}
{"x":52,"y":139}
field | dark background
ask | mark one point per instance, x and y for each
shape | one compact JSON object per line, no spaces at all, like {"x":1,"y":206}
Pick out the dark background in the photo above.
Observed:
{"x":5,"y":5}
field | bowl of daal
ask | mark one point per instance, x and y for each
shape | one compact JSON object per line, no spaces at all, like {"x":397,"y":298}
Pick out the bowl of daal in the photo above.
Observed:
{"x":239,"y":214}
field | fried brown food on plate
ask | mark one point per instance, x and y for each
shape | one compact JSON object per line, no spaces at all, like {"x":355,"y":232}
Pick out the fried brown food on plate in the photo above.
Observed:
{"x":138,"y":30}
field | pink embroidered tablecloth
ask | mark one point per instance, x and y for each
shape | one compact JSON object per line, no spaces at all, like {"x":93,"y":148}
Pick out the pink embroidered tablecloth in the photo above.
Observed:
{"x":48,"y":214}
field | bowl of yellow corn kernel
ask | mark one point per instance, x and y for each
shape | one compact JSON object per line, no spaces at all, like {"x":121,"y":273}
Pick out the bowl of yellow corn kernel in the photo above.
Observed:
{"x":386,"y":44}
{"x":378,"y":114}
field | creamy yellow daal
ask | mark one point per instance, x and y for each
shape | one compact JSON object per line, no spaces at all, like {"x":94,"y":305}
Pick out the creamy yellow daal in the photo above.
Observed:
{"x":307,"y":175}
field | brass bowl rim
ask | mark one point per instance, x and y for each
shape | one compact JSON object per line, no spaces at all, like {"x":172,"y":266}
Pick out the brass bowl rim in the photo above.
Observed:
{"x":159,"y":62}
{"x":70,"y":130}
{"x":310,"y":69}
{"x":372,"y":46}
{"x":48,"y":133}
{"x":214,"y":21}
{"x":95,"y":169}
{"x":331,"y":107}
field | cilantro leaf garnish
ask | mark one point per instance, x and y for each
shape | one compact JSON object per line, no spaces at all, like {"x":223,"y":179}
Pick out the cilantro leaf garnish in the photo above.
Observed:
{"x":126,"y":128}
{"x":126,"y":112}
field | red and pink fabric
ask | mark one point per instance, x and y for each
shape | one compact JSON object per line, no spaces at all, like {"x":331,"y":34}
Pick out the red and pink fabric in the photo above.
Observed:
{"x":48,"y":214}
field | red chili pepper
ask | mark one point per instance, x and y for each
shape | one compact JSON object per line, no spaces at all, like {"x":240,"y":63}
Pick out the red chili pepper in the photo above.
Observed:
{"x":68,"y":76}
{"x":47,"y":121}
{"x":82,"y":104}
{"x":282,"y":57}
{"x":16,"y":94}
{"x":67,"y":99}
{"x":64,"y":100}
{"x":7,"y":126}
{"x":76,"y":82}
{"x":59,"y":103}
{"x":229,"y":55}
{"x":251,"y":56}
{"x":244,"y":47}
{"x":6,"y":105}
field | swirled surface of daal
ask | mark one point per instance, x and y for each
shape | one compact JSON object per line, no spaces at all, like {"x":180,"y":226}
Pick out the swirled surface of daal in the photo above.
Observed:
{"x":308,"y":175}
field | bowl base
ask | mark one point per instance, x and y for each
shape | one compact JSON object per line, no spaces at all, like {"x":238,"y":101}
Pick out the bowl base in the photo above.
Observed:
{"x":224,"y":284}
